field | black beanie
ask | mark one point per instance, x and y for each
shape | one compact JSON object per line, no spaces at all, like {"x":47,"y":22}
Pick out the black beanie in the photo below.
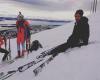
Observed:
{"x":80,"y":11}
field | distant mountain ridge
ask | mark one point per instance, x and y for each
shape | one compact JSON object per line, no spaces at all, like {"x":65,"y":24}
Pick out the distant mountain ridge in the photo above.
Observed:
{"x":46,"y":20}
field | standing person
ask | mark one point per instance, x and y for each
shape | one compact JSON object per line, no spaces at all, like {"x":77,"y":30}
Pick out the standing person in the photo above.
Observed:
{"x":20,"y":35}
{"x":80,"y":35}
{"x":3,"y":50}
{"x":27,"y":36}
{"x":27,"y":32}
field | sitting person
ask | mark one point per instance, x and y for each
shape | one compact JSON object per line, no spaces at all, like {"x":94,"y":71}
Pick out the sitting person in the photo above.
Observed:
{"x":79,"y":37}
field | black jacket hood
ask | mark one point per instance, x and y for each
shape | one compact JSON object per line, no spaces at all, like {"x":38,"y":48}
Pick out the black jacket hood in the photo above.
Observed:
{"x":84,"y":19}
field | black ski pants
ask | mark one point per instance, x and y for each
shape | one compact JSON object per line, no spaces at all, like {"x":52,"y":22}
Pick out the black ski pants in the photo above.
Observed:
{"x":5,"y":55}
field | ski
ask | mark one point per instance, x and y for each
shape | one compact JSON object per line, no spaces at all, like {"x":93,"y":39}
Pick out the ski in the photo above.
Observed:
{"x":40,"y":67}
{"x":23,"y":68}
{"x":9,"y":73}
{"x":45,"y":53}
{"x":39,"y":58}
{"x":28,"y":65}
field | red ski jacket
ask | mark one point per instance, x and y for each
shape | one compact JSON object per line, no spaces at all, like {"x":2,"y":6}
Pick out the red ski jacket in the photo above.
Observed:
{"x":1,"y":41}
{"x":21,"y":31}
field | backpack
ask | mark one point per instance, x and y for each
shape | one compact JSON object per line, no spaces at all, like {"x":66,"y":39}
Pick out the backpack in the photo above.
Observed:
{"x":35,"y":46}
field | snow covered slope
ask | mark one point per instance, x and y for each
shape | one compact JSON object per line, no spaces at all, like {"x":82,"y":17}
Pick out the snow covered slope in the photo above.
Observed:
{"x":79,"y":64}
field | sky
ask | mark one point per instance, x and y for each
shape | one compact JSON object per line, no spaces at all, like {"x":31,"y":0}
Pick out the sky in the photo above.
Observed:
{"x":59,"y":4}
{"x":58,"y":9}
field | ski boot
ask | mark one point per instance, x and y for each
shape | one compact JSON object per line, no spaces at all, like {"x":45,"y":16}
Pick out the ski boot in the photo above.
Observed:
{"x":19,"y":55}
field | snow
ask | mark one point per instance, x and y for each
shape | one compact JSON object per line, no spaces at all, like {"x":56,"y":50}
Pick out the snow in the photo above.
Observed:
{"x":78,"y":64}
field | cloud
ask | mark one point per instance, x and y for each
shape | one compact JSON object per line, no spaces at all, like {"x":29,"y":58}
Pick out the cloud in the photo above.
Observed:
{"x":59,"y":4}
{"x":40,"y":8}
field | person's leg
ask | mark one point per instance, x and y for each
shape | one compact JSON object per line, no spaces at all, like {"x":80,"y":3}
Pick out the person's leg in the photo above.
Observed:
{"x":84,"y":41}
{"x":18,"y":50}
{"x":5,"y":55}
{"x":71,"y":43}
{"x":18,"y":46}
{"x":74,"y":43}
{"x":23,"y":48}
{"x":27,"y":43}
{"x":59,"y":49}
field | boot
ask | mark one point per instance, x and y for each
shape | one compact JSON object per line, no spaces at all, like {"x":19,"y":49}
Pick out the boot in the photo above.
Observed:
{"x":18,"y":56}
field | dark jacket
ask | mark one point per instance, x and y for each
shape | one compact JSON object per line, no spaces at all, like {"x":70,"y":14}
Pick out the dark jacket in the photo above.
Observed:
{"x":78,"y":38}
{"x":80,"y":33}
